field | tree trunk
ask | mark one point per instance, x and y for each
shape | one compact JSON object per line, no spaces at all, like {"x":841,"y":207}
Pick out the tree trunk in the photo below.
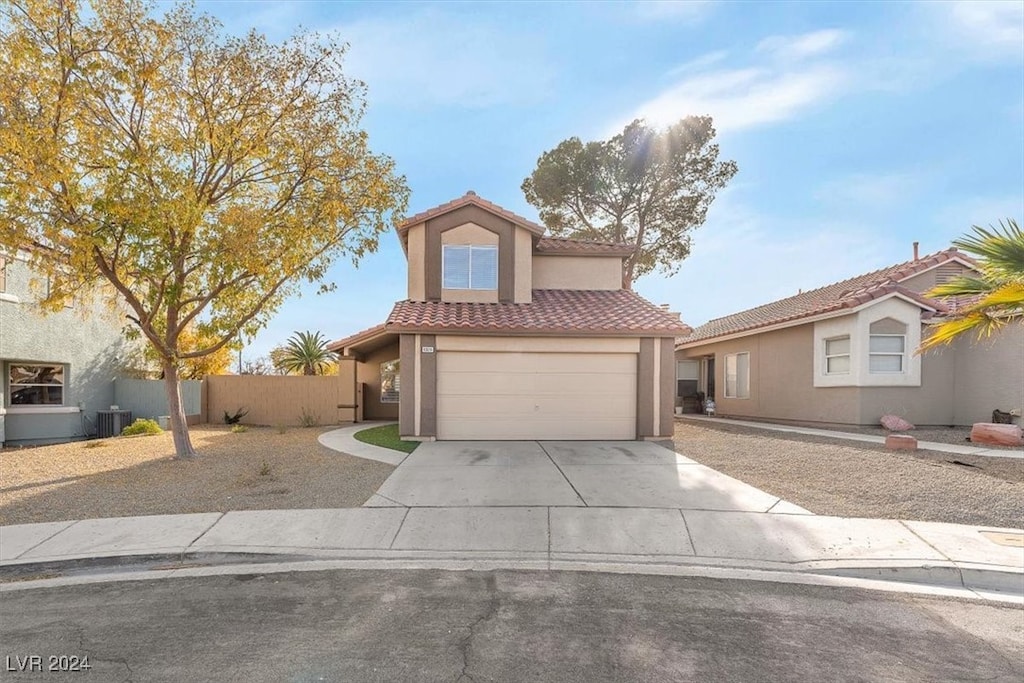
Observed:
{"x":179,"y":428}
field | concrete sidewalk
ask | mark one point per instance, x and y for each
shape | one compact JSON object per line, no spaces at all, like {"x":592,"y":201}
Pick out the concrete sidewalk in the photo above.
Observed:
{"x":956,"y":449}
{"x":592,"y":538}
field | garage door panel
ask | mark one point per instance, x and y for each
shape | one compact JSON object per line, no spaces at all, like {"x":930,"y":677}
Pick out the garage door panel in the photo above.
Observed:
{"x":526,"y":407}
{"x":553,"y":384}
{"x":487,"y":429}
{"x":538,"y":395}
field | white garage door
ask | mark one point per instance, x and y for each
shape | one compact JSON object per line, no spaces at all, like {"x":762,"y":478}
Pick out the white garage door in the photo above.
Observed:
{"x":536,"y":395}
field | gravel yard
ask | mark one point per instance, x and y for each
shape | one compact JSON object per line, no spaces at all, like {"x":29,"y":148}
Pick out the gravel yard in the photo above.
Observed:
{"x":848,"y":479}
{"x":259,"y":469}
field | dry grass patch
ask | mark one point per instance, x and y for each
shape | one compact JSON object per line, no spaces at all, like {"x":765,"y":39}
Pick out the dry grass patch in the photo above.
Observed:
{"x":259,"y":469}
{"x":847,"y":479}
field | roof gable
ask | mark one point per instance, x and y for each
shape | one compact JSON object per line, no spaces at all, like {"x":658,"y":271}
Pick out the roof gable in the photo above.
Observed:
{"x":471,"y":199}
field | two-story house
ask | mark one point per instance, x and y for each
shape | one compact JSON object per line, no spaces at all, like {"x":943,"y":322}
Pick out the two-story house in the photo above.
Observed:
{"x":56,"y":369}
{"x":508,"y":334}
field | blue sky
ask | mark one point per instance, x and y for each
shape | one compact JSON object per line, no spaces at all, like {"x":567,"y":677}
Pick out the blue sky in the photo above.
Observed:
{"x":858,"y":127}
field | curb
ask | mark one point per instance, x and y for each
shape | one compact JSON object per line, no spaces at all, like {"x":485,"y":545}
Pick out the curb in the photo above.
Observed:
{"x":1003,"y":584}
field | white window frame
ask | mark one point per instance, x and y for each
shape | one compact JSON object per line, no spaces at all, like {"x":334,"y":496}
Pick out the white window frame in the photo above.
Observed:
{"x":902,"y":355}
{"x":734,"y":357}
{"x":12,"y":386}
{"x":829,"y":356}
{"x":471,"y":248}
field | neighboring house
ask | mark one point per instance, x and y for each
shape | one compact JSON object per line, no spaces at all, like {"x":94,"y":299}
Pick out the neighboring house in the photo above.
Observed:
{"x":845,"y":354}
{"x":56,"y":369}
{"x":507,"y":334}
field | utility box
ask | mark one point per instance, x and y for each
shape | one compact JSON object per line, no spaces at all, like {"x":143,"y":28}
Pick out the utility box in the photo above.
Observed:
{"x":112,"y":422}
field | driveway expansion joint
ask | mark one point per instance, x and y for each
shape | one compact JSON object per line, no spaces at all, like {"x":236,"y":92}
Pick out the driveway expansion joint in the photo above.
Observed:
{"x":571,"y":485}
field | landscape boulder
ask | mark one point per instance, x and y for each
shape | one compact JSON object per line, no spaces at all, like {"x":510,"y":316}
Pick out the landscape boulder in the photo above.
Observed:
{"x":997,"y":434}
{"x":895,"y":423}
{"x":900,"y":442}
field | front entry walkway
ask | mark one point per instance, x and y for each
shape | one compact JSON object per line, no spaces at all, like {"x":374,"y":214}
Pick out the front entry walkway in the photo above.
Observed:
{"x":617,"y":474}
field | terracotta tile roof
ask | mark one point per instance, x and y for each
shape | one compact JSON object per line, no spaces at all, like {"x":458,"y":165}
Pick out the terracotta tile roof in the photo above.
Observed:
{"x":471,"y":198}
{"x":368,"y":333}
{"x":553,"y":311}
{"x":562,"y":245}
{"x":848,"y":293}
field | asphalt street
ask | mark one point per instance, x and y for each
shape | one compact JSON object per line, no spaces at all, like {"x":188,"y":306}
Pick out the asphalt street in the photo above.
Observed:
{"x":432,"y":625}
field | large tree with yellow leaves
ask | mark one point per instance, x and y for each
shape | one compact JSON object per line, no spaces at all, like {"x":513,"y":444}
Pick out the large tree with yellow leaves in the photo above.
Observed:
{"x":204,"y":176}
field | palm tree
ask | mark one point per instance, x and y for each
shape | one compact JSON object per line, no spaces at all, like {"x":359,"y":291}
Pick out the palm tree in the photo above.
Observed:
{"x":305,"y":352}
{"x":992,"y":298}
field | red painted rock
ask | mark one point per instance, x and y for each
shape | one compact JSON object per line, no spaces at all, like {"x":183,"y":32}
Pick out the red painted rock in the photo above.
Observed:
{"x":996,"y":434}
{"x":901,"y":442}
{"x":895,"y":423}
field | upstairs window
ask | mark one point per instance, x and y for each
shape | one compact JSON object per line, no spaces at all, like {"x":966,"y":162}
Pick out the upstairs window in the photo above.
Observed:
{"x":470,"y":267}
{"x":36,"y":385}
{"x":837,"y":356}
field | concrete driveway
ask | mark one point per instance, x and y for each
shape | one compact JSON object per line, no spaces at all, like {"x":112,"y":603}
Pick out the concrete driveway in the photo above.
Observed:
{"x":618,"y":474}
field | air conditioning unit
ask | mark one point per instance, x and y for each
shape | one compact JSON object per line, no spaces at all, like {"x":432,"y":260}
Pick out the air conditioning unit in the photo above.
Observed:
{"x":112,"y":422}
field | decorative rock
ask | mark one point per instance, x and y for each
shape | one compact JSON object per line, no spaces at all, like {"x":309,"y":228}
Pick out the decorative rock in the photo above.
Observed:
{"x":901,"y":442}
{"x":997,"y":434}
{"x":894,"y":423}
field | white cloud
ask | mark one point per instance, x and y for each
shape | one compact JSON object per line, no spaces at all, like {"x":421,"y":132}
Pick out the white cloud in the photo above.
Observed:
{"x":987,"y":29}
{"x":789,"y":79}
{"x":802,"y":46}
{"x":699,"y":63}
{"x":743,"y":98}
{"x":429,"y":58}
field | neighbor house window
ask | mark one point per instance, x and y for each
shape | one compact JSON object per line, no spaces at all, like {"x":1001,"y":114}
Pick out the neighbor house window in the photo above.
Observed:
{"x":36,"y":385}
{"x":389,"y":382}
{"x":737,"y":375}
{"x":470,"y":267}
{"x":886,"y":352}
{"x":887,"y":347}
{"x":837,"y":356}
{"x":687,"y":372}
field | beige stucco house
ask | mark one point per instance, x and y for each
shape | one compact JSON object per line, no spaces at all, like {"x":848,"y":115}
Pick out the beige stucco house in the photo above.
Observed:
{"x":845,"y":354}
{"x":508,"y":334}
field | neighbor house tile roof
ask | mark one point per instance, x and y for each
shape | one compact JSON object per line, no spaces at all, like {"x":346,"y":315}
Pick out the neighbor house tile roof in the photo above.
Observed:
{"x":362,"y":335}
{"x":846,"y":294}
{"x":552,"y":311}
{"x":562,"y":245}
{"x":471,"y":198}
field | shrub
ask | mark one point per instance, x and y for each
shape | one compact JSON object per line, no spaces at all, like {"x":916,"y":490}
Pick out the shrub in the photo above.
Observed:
{"x":142,"y":426}
{"x":308,"y":419}
{"x":238,"y":429}
{"x":230,"y":419}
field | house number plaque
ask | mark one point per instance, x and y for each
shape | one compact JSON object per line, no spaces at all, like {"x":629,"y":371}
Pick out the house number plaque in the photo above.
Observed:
{"x":428,"y":349}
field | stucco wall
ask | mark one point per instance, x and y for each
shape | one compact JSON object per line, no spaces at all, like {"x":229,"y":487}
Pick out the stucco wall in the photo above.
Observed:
{"x":781,"y":382}
{"x":577,"y":272}
{"x":989,"y":374}
{"x":929,"y":404}
{"x":368,"y":372}
{"x":87,"y":341}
